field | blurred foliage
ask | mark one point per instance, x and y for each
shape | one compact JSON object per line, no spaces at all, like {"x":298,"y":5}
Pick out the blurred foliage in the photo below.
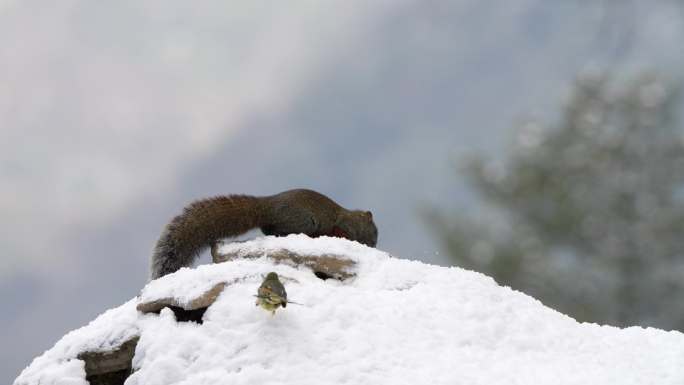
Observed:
{"x":590,"y":210}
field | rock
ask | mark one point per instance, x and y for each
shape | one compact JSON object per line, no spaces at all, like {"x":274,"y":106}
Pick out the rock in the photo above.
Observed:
{"x":185,"y":311}
{"x":324,"y":266}
{"x":109,"y":367}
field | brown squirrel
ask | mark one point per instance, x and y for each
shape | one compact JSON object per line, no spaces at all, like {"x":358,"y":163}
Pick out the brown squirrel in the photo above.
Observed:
{"x":205,"y":222}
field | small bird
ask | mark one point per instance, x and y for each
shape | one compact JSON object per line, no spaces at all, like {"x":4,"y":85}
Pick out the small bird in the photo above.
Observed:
{"x":271,"y":293}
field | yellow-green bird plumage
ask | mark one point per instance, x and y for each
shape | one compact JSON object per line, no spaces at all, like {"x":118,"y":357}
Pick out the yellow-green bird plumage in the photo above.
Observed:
{"x":271,"y":294}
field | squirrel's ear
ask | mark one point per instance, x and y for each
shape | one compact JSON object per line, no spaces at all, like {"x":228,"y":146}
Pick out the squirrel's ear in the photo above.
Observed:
{"x":369,"y":214}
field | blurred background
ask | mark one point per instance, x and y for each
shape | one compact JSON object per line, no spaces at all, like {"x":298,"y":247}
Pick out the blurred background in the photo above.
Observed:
{"x":539,"y":142}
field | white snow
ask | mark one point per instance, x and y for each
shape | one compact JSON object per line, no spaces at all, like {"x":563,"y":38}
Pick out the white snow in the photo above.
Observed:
{"x":396,"y":322}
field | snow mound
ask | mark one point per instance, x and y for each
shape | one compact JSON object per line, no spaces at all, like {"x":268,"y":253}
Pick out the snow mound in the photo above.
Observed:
{"x":396,"y":322}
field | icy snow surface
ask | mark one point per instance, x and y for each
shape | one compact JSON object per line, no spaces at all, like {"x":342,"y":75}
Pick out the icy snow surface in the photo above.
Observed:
{"x":397,"y":322}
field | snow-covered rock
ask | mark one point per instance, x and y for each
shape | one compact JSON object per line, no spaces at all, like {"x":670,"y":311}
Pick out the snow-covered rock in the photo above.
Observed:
{"x":394,"y":322}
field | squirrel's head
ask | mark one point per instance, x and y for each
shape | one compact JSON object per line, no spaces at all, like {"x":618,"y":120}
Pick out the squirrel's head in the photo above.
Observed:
{"x":359,"y":226}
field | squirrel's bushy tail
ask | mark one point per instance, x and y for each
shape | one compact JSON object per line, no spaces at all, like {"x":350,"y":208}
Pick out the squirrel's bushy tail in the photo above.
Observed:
{"x":202,"y":223}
